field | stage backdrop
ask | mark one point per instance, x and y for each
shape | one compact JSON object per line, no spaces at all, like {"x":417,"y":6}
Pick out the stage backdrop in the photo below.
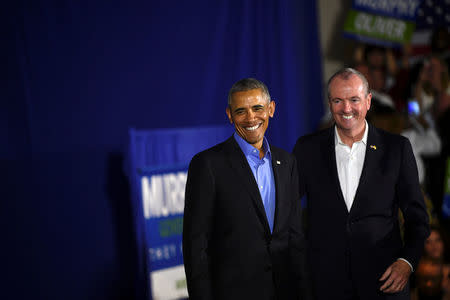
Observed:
{"x":80,"y":73}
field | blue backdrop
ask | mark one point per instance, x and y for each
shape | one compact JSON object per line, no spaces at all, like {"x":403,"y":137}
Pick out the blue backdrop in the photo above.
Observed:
{"x":79,"y":74}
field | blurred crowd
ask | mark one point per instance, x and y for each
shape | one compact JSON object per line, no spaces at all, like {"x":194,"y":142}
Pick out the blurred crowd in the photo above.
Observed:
{"x":411,"y":97}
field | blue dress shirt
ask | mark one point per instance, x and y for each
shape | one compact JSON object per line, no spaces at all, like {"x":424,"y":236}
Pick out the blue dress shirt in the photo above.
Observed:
{"x":263,"y":173}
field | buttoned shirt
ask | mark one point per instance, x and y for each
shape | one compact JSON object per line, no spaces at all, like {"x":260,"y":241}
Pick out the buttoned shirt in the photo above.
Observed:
{"x":350,"y":162}
{"x":263,"y":174}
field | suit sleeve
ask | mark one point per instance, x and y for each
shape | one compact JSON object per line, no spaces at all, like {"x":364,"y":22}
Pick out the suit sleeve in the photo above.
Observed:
{"x":297,"y":243}
{"x":197,"y":227}
{"x":412,"y":206}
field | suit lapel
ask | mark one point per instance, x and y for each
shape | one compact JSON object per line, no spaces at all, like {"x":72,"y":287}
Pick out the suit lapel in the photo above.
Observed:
{"x":245,"y":176}
{"x":329,"y":149}
{"x":278,"y":167}
{"x":374,"y":151}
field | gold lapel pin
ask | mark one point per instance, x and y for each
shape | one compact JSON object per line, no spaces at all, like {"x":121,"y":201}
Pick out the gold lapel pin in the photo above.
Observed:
{"x":373,"y":147}
{"x":278,"y":162}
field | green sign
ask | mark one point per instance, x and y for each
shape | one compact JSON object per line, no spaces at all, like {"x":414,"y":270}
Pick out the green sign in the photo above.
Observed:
{"x":380,"y":28}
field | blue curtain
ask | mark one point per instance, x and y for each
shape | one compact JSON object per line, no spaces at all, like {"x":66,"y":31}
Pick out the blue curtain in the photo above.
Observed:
{"x":81,"y":73}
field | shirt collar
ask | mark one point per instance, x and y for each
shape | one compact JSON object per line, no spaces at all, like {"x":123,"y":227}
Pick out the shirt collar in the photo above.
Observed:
{"x":248,"y":149}
{"x":338,"y":141}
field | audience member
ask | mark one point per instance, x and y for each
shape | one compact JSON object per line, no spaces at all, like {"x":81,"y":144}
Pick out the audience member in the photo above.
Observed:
{"x":429,"y":279}
{"x":432,"y":89}
{"x":423,"y":137}
{"x":432,"y":278}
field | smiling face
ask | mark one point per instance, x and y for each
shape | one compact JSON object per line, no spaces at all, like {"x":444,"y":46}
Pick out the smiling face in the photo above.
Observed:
{"x":249,"y":111}
{"x":349,"y":105}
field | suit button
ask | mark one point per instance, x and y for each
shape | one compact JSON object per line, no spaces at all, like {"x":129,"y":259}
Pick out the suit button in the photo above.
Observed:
{"x":267,"y":268}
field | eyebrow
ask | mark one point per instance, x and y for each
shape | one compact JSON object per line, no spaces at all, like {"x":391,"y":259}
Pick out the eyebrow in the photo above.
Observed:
{"x":257,"y":106}
{"x":350,"y":98}
{"x":253,"y":107}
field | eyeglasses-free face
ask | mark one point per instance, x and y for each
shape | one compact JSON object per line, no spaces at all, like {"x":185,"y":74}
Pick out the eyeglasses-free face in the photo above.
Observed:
{"x":250,"y":111}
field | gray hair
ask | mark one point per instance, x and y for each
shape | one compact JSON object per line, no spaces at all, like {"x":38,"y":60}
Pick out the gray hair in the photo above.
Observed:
{"x":247,"y":84}
{"x":345,"y":74}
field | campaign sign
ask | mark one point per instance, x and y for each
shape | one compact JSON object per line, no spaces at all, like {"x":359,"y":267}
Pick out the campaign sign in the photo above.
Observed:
{"x":397,"y":9}
{"x":377,"y":29}
{"x":162,"y":197}
{"x":383,"y":22}
{"x":159,"y":161}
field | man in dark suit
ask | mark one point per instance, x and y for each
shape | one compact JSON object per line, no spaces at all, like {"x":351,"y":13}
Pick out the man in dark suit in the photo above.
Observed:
{"x":242,"y":236}
{"x":355,"y":178}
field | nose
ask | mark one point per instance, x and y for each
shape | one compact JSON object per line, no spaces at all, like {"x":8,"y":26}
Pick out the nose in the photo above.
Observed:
{"x":250,"y":115}
{"x":347,"y":106}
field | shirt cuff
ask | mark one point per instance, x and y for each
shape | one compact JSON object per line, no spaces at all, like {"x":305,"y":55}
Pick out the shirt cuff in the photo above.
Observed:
{"x":412,"y":269}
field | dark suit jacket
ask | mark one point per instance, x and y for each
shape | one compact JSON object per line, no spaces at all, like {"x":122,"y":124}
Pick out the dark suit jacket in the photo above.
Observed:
{"x":367,"y":239}
{"x":229,"y":251}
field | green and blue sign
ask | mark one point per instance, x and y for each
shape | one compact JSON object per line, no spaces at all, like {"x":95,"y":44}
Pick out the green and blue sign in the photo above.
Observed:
{"x":159,"y":161}
{"x":384,"y":22}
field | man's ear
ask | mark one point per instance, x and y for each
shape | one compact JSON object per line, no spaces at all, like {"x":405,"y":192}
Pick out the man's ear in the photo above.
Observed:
{"x":228,"y":111}
{"x":271,"y":108}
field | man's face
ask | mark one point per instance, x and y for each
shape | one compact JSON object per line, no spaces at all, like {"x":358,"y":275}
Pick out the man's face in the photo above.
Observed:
{"x":249,"y":111}
{"x":349,"y":104}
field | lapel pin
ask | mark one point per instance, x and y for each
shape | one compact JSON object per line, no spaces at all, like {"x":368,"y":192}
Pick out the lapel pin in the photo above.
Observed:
{"x":373,"y":147}
{"x":278,"y":162}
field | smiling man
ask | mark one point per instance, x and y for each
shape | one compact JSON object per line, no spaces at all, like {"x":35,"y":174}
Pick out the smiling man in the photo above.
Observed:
{"x":356,"y":178}
{"x":242,"y":236}
{"x":249,"y":111}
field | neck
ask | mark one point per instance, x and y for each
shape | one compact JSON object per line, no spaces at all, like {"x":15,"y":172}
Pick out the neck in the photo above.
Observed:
{"x":259,"y":147}
{"x":349,"y":137}
{"x":261,"y":153}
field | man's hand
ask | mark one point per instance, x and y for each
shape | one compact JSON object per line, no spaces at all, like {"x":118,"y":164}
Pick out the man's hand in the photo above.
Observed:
{"x":395,"y":277}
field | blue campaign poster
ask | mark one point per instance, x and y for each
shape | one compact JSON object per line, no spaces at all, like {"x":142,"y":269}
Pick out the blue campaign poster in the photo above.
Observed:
{"x":159,"y":161}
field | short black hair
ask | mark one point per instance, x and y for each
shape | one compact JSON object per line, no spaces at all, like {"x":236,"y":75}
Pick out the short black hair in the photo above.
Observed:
{"x":247,"y":84}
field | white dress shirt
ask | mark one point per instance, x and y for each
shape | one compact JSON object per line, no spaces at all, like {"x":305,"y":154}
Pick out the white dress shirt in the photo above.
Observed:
{"x":350,"y":162}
